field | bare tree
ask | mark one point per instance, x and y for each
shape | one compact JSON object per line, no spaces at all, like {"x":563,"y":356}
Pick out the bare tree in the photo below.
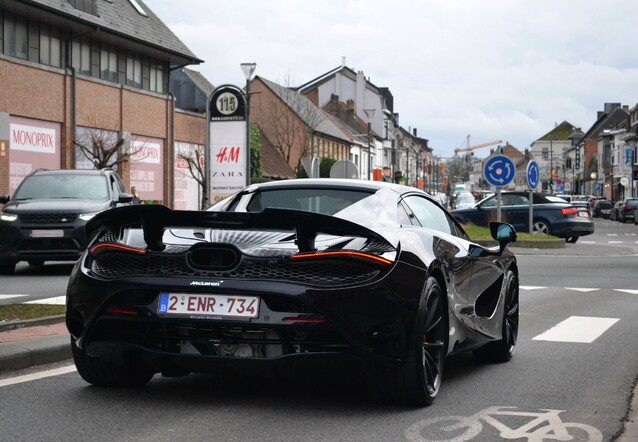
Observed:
{"x":106,"y":148}
{"x":103,"y":148}
{"x":293,"y":121}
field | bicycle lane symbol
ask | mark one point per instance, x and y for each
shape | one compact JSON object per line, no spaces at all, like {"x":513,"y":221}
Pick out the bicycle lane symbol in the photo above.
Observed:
{"x":545,"y":425}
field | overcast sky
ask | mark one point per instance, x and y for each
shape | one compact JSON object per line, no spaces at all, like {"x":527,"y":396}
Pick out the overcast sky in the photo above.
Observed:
{"x":490,"y":69}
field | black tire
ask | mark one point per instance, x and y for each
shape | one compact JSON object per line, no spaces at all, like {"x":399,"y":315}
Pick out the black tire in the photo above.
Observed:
{"x":417,"y":380}
{"x":542,"y":227}
{"x":503,"y":349}
{"x":36,"y":262}
{"x":7,"y":268}
{"x":105,"y":373}
{"x":571,"y":239}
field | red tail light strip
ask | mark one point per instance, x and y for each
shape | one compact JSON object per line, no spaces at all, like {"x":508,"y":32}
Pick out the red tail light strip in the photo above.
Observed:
{"x":122,"y":311}
{"x":568,"y":211}
{"x":342,"y":254}
{"x":105,"y":247}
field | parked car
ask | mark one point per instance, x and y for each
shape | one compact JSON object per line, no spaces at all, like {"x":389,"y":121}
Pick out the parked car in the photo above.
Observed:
{"x":551,"y":215}
{"x":615,"y":210}
{"x":464,"y":200}
{"x":602,"y":209}
{"x":44,"y":219}
{"x":627,"y":210}
{"x":287,"y":273}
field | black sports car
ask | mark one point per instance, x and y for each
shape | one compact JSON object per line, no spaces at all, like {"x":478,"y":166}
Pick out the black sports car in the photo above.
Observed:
{"x":291,"y":272}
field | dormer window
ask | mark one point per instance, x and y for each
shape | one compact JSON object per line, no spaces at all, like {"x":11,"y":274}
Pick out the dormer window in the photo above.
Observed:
{"x":138,"y":7}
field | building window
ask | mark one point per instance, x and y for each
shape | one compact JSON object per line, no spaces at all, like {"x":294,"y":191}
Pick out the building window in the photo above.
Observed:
{"x":50,"y":52}
{"x":108,"y":64}
{"x":81,"y":56}
{"x":157,"y":78}
{"x":607,"y":158}
{"x":545,"y":153}
{"x":134,"y":71}
{"x":16,"y":42}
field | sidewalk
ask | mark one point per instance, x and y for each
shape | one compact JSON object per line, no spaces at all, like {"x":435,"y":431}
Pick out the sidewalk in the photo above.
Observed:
{"x":24,"y":344}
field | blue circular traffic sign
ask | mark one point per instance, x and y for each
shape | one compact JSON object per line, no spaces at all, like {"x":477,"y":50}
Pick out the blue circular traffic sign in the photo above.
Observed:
{"x":533,"y":175}
{"x":499,"y":170}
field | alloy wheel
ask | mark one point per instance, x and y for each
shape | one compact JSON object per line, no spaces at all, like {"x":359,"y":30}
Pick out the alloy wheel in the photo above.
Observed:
{"x":433,"y":341}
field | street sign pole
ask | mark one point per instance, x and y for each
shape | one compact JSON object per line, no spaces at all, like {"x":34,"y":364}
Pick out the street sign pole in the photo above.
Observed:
{"x":533,"y":178}
{"x":498,"y":171}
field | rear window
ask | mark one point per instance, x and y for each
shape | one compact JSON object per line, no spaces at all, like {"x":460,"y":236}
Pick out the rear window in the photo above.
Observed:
{"x":325,"y":201}
{"x":632,"y":202}
{"x":92,"y":187}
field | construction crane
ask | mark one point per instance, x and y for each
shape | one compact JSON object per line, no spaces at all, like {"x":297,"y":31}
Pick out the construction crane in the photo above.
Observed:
{"x":469,"y":148}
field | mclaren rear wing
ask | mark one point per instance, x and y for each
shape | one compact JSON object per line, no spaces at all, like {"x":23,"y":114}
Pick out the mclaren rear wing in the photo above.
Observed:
{"x":155,"y":219}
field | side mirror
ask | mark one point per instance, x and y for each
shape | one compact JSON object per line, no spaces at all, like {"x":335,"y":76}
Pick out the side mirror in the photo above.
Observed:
{"x":125,"y":198}
{"x":4,"y":199}
{"x":503,"y":233}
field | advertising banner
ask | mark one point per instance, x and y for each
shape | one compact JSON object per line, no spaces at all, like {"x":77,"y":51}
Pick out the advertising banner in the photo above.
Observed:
{"x":227,"y":148}
{"x":147,"y":168}
{"x":228,"y":158}
{"x":33,"y":144}
{"x":187,"y":192}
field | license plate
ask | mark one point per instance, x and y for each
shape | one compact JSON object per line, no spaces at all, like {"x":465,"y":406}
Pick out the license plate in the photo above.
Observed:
{"x":192,"y":304}
{"x":51,"y":233}
{"x":583,"y":214}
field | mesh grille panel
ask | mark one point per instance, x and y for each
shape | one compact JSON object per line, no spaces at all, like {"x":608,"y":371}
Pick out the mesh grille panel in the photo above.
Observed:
{"x":48,"y":218}
{"x":114,"y":264}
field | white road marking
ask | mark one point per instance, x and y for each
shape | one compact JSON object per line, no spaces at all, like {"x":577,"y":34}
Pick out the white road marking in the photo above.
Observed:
{"x":531,"y":287}
{"x":36,"y":376}
{"x":582,"y":329}
{"x":614,"y":242}
{"x":588,"y":242}
{"x":584,"y":290}
{"x":57,"y":300}
{"x":630,"y":291}
{"x":630,"y":234}
{"x":612,"y":234}
{"x":11,"y":296}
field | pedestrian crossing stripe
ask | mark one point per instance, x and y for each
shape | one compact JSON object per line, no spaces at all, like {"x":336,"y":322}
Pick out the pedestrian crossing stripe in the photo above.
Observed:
{"x":11,"y":296}
{"x":577,"y":329}
{"x":584,"y":290}
{"x":530,"y":287}
{"x":630,"y":291}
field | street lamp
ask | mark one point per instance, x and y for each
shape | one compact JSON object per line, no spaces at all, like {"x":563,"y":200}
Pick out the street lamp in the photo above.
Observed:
{"x":248,"y":69}
{"x":594,"y":177}
{"x":369,"y":114}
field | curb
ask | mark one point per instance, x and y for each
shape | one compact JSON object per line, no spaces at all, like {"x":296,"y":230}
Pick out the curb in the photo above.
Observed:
{"x":529,"y":243}
{"x":30,"y":352}
{"x":25,"y":353}
{"x":47,"y":320}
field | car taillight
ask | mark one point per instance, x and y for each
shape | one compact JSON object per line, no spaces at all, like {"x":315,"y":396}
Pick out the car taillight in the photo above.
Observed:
{"x":98,"y":249}
{"x":345,"y":254}
{"x":569,"y":211}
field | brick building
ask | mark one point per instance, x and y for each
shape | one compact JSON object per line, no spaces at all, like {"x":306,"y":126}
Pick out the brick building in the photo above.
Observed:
{"x":71,"y":68}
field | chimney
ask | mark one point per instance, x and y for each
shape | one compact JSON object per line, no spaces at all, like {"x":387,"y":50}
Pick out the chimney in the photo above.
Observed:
{"x":414,"y":132}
